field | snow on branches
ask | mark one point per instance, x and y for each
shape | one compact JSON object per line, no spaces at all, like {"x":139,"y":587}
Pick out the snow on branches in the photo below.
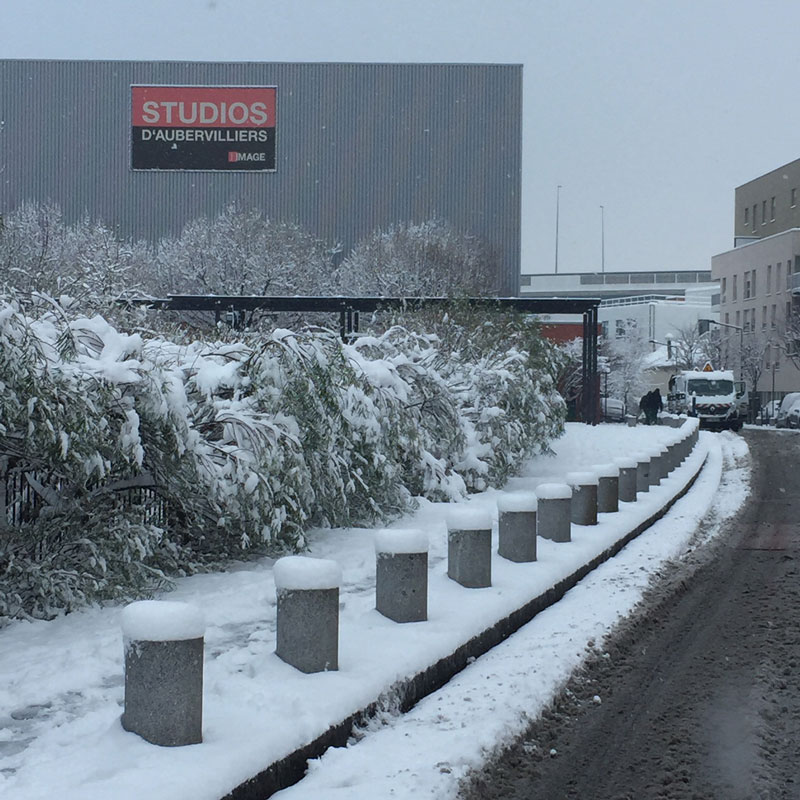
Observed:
{"x":138,"y":458}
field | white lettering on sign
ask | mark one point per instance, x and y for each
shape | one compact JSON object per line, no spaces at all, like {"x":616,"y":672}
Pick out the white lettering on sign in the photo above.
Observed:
{"x":168,"y":112}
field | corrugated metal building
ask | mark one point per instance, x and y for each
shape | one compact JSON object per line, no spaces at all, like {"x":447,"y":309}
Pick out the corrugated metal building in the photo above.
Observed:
{"x":358,"y":146}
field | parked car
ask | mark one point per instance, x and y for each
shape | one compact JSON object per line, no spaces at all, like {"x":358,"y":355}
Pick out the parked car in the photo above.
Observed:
{"x":613,"y":409}
{"x":770,"y":411}
{"x":793,"y":417}
{"x":781,"y":419}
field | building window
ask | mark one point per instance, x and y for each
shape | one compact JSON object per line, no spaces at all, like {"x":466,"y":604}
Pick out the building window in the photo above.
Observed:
{"x":619,"y":328}
{"x":772,"y":314}
{"x":724,"y":287}
{"x":769,"y":278}
{"x":604,"y":329}
{"x":738,"y":323}
{"x":755,"y":208}
{"x":763,"y":318}
{"x":752,"y":319}
{"x":727,"y":318}
{"x":763,"y":212}
{"x":746,"y":288}
{"x":747,"y":215}
{"x":793,"y":198}
{"x":734,"y":289}
{"x":778,"y":270}
{"x":753,"y":289}
{"x":772,"y":209}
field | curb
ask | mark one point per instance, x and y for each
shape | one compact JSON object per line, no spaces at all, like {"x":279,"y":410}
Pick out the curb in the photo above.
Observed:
{"x":406,"y":693}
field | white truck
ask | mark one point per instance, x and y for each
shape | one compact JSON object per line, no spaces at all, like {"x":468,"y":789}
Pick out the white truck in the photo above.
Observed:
{"x":711,"y":395}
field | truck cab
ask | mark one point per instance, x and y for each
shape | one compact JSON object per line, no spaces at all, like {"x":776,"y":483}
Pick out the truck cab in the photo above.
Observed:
{"x":713,"y":396}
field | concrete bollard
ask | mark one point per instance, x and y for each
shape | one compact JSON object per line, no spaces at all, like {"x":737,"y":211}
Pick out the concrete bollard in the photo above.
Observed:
{"x":401,"y":574}
{"x":163,"y":672}
{"x":584,"y":497}
{"x":554,"y":511}
{"x":627,"y":478}
{"x":517,"y":526}
{"x":469,"y":547}
{"x":642,"y":472}
{"x":308,"y":612}
{"x":631,"y":420}
{"x":657,"y":465}
{"x":607,"y":488}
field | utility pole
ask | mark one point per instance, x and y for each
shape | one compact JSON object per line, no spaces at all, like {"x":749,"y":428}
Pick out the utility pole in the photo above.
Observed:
{"x":602,"y":239}
{"x":558,"y":198}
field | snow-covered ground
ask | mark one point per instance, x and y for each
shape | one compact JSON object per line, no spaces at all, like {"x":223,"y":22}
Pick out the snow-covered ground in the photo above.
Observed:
{"x":61,"y":681}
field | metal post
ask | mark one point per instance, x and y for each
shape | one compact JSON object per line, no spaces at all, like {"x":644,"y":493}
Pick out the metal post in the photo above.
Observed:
{"x":558,"y":197}
{"x":602,"y":240}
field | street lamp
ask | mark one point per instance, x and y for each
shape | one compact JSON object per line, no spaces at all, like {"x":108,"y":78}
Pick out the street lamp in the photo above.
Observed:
{"x":602,"y":239}
{"x":558,"y":198}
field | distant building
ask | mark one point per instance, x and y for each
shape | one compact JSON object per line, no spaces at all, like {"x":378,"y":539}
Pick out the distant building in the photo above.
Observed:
{"x":760,"y":277}
{"x":340,"y":149}
{"x":612,"y":284}
{"x":657,"y":303}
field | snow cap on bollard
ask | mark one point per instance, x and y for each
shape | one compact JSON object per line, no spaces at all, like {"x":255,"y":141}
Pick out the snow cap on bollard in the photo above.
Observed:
{"x":606,"y":470}
{"x":396,"y":541}
{"x":585,"y":478}
{"x":161,"y":621}
{"x":469,"y":519}
{"x":553,"y":491}
{"x":625,"y":462}
{"x":517,"y":501}
{"x":298,"y":573}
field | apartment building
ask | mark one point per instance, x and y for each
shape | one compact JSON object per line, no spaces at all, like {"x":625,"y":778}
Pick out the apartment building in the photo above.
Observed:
{"x":759,"y":280}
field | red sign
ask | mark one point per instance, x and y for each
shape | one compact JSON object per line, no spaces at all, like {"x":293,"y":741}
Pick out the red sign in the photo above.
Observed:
{"x":203,"y":128}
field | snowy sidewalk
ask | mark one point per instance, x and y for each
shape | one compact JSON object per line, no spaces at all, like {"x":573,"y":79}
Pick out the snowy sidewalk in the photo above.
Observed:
{"x":61,"y":690}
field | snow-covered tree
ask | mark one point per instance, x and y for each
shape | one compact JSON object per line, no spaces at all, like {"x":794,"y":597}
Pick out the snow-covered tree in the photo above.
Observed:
{"x":689,"y":347}
{"x":419,"y":259}
{"x":627,"y":356}
{"x":241,"y":252}
{"x":41,"y":252}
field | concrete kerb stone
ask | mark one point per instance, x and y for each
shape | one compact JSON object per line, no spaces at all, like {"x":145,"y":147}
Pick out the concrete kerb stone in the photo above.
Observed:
{"x":163,"y":672}
{"x":469,"y":548}
{"x":516,"y":522}
{"x":607,"y":488}
{"x":554,"y":511}
{"x":307,"y":635}
{"x":584,"y":497}
{"x":401,"y":574}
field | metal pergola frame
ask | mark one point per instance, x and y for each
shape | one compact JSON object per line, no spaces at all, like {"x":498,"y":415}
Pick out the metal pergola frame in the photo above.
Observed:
{"x":349,"y":309}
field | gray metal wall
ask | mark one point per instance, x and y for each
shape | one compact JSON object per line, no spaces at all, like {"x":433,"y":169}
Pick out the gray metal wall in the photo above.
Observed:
{"x":359,"y":146}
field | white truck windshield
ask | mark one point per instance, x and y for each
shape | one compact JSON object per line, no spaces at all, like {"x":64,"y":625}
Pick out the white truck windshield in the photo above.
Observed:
{"x":709,"y":388}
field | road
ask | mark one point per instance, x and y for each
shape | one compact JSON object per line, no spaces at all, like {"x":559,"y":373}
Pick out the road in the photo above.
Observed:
{"x":697,"y":696}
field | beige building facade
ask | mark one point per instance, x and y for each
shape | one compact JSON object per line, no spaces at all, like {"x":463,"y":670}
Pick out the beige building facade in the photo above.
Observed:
{"x":759,"y":280}
{"x":769,"y":204}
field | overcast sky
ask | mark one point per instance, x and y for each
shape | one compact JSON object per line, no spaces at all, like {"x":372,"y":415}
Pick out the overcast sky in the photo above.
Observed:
{"x":654,"y":109}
